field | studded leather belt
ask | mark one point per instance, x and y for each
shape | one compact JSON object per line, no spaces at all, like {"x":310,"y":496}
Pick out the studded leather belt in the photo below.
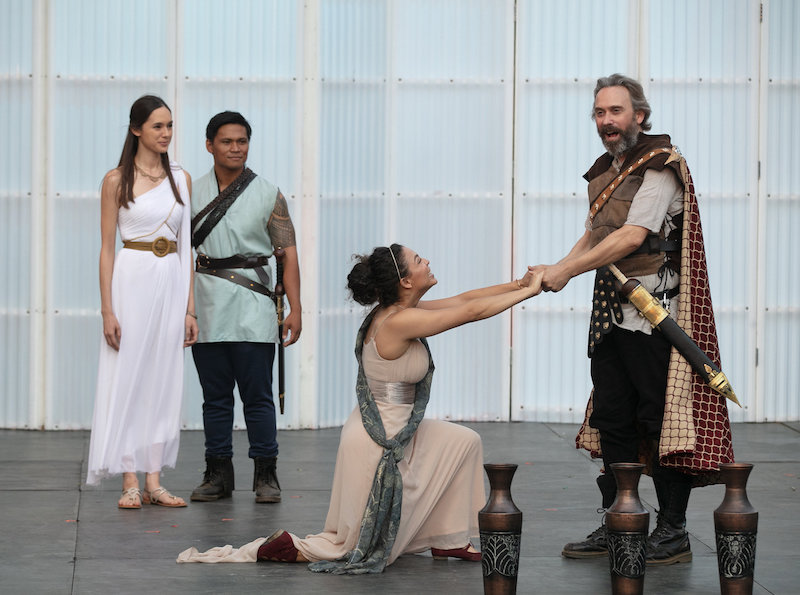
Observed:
{"x":161,"y":246}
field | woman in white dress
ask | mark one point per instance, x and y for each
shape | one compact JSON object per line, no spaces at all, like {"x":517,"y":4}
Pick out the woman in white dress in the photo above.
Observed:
{"x":148,"y":311}
{"x":402,"y":484}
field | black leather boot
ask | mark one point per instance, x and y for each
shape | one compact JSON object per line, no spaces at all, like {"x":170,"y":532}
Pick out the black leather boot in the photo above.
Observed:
{"x":265,"y":480}
{"x":217,"y":480}
{"x":669,"y":541}
{"x":596,"y":544}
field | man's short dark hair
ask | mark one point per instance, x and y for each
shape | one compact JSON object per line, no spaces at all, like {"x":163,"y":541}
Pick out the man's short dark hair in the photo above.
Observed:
{"x":222,"y":118}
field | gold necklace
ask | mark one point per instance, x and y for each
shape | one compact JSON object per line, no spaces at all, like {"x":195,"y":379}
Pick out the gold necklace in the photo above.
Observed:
{"x":157,"y":178}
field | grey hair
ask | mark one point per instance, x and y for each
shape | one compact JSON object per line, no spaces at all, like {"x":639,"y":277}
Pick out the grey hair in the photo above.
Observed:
{"x":635,"y":90}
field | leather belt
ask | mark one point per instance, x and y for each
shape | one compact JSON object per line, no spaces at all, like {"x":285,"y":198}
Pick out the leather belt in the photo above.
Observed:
{"x":653,"y":244}
{"x":237,"y":261}
{"x":669,"y":293}
{"x":161,"y":246}
{"x":220,"y":267}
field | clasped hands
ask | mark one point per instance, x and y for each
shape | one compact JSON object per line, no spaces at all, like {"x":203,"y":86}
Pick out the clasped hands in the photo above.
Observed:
{"x":531,"y":281}
{"x":554,"y":277}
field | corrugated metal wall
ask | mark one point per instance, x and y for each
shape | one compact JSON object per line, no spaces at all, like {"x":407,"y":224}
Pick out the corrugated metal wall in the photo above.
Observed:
{"x":246,"y":57}
{"x":458,"y":127}
{"x":779,"y":217}
{"x":562,"y":47}
{"x":17,"y":208}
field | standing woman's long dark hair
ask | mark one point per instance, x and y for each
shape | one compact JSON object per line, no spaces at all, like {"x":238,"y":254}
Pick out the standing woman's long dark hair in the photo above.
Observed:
{"x":140,"y":112}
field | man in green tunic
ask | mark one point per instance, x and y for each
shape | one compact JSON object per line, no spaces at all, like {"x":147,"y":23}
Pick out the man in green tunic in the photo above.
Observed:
{"x":238,"y":219}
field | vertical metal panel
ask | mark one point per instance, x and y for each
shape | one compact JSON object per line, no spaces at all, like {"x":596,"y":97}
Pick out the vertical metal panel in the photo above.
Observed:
{"x":270,"y":107}
{"x":108,"y":38}
{"x":348,"y":225}
{"x":704,"y":93}
{"x":707,"y":39}
{"x":242,"y":57}
{"x":562,"y":48}
{"x":472,"y":362}
{"x":246,"y":39}
{"x":450,"y":179}
{"x":450,"y":39}
{"x":779,"y":309}
{"x":413,"y":141}
{"x":92,"y":114}
{"x":572,"y":39}
{"x":16,"y":59}
{"x":449,"y":138}
{"x":16,"y":89}
{"x":353,"y":139}
{"x":97,"y":70}
{"x":353,"y":40}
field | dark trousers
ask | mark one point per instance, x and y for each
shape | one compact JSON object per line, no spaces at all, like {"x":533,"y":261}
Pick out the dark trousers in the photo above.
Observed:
{"x":629,"y":373}
{"x":249,"y":366}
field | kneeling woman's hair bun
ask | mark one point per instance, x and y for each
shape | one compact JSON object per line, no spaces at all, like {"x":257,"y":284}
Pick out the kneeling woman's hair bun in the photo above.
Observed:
{"x":376,"y":278}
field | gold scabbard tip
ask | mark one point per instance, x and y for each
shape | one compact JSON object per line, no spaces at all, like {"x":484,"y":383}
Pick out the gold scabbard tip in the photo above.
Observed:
{"x":720,"y":383}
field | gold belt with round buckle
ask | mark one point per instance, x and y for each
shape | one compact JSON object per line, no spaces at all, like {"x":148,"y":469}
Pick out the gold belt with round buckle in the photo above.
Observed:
{"x":161,"y":246}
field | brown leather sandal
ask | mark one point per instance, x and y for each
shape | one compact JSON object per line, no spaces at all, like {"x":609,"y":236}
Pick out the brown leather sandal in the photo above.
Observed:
{"x":134,"y":495}
{"x":154,"y":498}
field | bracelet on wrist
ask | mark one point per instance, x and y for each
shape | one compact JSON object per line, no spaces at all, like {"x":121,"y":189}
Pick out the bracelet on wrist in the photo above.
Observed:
{"x":192,"y":315}
{"x":519,"y":285}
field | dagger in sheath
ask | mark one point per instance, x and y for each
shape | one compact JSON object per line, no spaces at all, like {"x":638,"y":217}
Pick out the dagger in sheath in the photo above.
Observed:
{"x":659,"y":318}
{"x":279,"y":293}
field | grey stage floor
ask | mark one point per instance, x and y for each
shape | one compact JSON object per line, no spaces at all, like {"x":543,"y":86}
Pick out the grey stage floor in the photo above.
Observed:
{"x":60,"y":537}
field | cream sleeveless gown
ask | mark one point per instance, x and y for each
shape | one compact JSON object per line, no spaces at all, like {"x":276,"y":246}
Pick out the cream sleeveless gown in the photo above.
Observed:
{"x":136,"y":424}
{"x":442,"y":475}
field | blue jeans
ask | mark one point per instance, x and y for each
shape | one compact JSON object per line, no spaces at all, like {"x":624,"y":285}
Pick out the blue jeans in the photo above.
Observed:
{"x":249,"y":366}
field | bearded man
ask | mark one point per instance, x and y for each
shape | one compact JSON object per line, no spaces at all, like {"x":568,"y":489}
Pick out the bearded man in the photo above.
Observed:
{"x":643,"y":218}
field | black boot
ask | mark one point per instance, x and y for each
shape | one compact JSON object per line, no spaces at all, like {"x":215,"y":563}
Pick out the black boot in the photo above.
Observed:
{"x":217,"y":480}
{"x":595,"y":545}
{"x":265,"y":480}
{"x":669,"y":541}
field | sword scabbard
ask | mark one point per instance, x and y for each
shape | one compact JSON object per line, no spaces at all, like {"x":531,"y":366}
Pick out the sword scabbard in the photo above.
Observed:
{"x":279,"y":293}
{"x":647,"y":305}
{"x":659,"y":318}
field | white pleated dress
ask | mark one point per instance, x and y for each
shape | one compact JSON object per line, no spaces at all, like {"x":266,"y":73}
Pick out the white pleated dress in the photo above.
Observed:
{"x":136,"y":424}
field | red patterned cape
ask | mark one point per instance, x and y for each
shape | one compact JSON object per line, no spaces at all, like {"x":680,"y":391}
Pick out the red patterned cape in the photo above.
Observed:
{"x":696,"y":431}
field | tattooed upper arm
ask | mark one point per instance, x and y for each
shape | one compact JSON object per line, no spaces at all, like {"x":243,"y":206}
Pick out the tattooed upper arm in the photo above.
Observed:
{"x":279,"y":226}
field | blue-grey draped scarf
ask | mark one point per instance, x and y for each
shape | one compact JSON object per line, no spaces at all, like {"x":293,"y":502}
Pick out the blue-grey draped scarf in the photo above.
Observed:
{"x":382,"y":514}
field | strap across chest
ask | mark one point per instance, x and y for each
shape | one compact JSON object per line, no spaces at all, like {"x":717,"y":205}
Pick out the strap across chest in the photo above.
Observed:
{"x":603,"y":196}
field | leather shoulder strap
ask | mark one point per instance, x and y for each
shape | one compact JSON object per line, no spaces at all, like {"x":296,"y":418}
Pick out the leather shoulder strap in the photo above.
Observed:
{"x":219,"y":206}
{"x":603,"y":197}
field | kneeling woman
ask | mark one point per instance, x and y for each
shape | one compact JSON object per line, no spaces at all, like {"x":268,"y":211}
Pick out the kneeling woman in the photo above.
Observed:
{"x":402,"y":484}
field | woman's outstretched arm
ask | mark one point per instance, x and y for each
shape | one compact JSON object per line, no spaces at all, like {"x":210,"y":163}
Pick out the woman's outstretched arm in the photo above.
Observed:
{"x":473,"y":294}
{"x":414,"y":323}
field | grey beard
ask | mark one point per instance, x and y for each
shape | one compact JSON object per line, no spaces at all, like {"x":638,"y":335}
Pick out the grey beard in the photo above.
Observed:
{"x":628,"y":139}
